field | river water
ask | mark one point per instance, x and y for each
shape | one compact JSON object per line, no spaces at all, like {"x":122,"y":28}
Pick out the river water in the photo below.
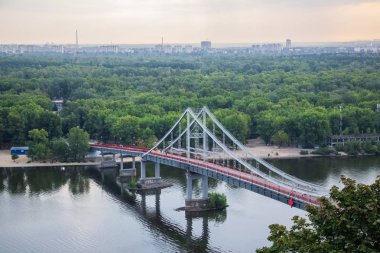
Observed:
{"x":51,"y":210}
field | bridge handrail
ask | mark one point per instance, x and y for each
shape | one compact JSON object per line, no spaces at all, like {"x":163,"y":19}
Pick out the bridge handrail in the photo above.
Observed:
{"x":278,"y":188}
{"x":216,"y":167}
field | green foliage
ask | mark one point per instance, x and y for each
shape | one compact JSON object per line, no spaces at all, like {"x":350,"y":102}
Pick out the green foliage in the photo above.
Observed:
{"x":126,"y":129}
{"x":354,"y":147}
{"x":38,"y":135}
{"x":347,"y":222}
{"x":133,"y":182}
{"x":236,"y":122}
{"x":60,"y":149}
{"x":323,"y":151}
{"x":78,"y":144}
{"x":133,"y":101}
{"x":14,"y":157}
{"x":280,"y":138}
{"x":38,"y":144}
{"x":217,"y":200}
{"x":314,"y":128}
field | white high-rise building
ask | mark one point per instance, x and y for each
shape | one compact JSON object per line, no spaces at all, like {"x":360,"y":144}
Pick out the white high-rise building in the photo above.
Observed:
{"x":288,"y":43}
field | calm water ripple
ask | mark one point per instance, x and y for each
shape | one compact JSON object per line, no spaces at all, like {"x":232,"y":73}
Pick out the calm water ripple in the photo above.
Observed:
{"x":49,"y":210}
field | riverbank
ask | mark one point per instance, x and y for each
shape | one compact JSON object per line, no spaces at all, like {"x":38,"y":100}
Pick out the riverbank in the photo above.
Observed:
{"x":274,"y":152}
{"x":23,"y":161}
{"x":262,"y":151}
{"x":258,"y":147}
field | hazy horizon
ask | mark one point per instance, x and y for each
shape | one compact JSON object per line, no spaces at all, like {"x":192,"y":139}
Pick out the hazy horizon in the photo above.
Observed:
{"x":214,"y":44}
{"x":188,"y":22}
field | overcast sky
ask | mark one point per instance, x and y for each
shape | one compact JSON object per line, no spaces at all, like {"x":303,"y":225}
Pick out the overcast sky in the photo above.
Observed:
{"x":188,"y":21}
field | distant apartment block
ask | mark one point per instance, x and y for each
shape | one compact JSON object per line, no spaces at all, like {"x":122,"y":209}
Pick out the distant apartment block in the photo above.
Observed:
{"x":288,"y":43}
{"x":266,"y":48}
{"x":356,"y":47}
{"x":205,"y":45}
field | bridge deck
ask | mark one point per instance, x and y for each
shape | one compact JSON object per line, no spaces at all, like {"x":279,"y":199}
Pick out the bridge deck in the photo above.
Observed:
{"x":210,"y":169}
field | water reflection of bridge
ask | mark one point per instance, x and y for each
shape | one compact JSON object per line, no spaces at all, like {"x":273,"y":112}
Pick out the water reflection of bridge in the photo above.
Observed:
{"x":153,"y":218}
{"x":30,"y":181}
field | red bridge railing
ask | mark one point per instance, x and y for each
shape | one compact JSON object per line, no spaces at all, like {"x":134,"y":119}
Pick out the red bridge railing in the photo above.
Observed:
{"x":226,"y":170}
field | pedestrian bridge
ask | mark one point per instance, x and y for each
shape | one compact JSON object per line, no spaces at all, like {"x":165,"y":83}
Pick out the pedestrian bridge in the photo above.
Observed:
{"x":200,"y":145}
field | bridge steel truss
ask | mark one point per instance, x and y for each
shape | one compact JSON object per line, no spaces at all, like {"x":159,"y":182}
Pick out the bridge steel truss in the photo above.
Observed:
{"x":191,"y":145}
{"x":219,"y":146}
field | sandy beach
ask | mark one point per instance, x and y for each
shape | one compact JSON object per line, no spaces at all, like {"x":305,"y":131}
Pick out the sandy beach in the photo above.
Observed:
{"x":262,"y":150}
{"x":274,"y":152}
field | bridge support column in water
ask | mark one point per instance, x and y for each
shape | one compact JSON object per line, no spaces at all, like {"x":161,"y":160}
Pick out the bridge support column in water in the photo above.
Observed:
{"x":196,"y":203}
{"x":151,"y":182}
{"x":157,"y":170}
{"x":143,"y":171}
{"x":121,"y":162}
{"x":126,"y":173}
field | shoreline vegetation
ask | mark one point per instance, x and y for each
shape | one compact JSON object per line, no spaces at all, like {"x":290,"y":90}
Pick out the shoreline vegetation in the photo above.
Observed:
{"x":284,"y":100}
{"x":55,"y":104}
{"x":261,"y":150}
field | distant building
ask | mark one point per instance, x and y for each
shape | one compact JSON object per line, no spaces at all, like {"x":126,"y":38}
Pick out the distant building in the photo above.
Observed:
{"x":19,"y":150}
{"x":58,"y":104}
{"x":188,"y":49}
{"x":205,"y":45}
{"x":288,"y":43}
{"x":336,"y":140}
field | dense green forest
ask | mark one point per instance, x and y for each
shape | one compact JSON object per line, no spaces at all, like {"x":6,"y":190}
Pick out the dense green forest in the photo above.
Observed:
{"x":135,"y":99}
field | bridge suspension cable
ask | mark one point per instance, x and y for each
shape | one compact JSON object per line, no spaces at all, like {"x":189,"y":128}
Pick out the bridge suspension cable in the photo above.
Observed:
{"x":227,"y":150}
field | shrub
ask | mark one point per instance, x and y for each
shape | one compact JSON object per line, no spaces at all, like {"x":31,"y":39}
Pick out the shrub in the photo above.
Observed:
{"x":217,"y":200}
{"x":133,"y":183}
{"x":323,"y":151}
{"x":304,"y":152}
{"x":14,"y":157}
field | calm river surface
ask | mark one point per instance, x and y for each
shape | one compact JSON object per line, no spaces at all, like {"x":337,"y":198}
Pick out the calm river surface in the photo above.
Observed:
{"x":49,"y":210}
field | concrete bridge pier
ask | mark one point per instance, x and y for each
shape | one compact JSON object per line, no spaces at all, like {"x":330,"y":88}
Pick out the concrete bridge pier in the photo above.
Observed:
{"x":121,"y":162}
{"x":143,"y":170}
{"x":151,"y":180}
{"x":196,"y":203}
{"x":156,"y":170}
{"x":107,"y":163}
{"x":126,"y":173}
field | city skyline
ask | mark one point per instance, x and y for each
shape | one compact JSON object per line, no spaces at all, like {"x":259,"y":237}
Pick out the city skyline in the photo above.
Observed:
{"x":224,"y":21}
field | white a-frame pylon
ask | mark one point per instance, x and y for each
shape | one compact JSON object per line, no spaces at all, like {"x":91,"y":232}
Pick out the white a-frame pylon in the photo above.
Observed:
{"x":200,"y":136}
